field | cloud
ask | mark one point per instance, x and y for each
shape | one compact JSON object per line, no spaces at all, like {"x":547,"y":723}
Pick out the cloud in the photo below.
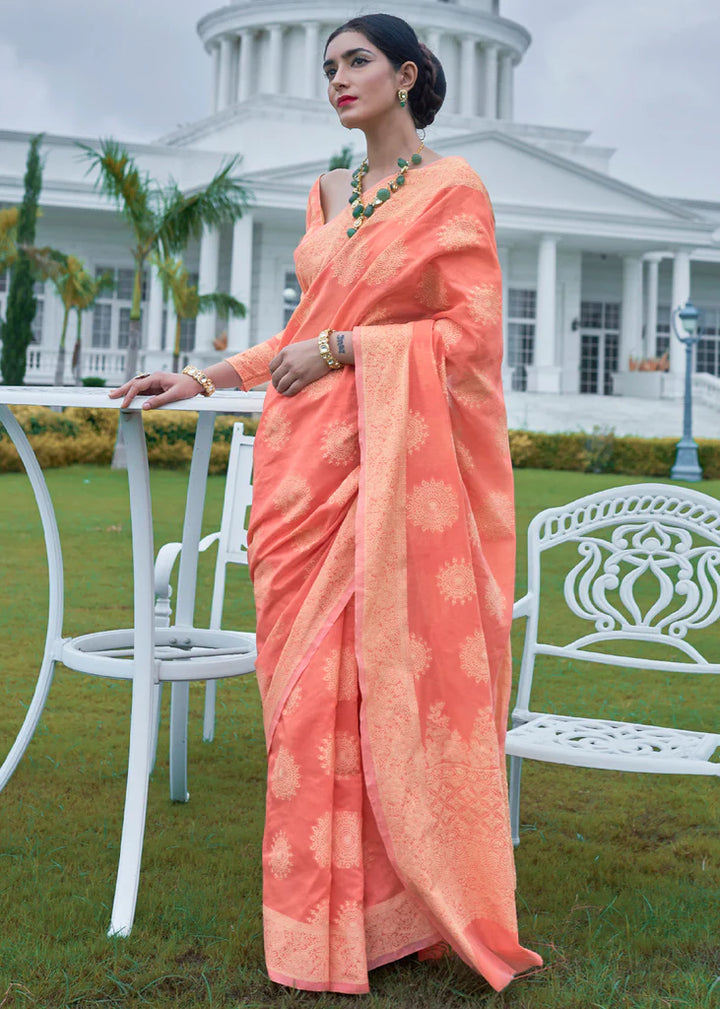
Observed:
{"x":133,"y":69}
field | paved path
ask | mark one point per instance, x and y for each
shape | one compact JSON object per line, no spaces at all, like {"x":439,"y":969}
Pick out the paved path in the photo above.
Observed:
{"x":536,"y":411}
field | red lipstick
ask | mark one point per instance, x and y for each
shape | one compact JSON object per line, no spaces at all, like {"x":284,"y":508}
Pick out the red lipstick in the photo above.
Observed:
{"x":345,"y":100}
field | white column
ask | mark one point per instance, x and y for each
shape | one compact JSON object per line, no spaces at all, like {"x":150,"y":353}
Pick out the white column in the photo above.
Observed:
{"x":225,"y":77}
{"x":631,"y":319}
{"x":651,"y":305}
{"x":312,"y":61}
{"x":170,"y":324}
{"x":153,"y":340}
{"x":240,"y":281}
{"x":468,"y":87}
{"x":434,"y":38}
{"x":215,"y":78}
{"x":275,"y":60}
{"x":544,"y":375}
{"x":680,"y":294}
{"x":207,"y":283}
{"x":245,"y":68}
{"x":506,"y":98}
{"x":234,"y":82}
{"x":491,"y":81}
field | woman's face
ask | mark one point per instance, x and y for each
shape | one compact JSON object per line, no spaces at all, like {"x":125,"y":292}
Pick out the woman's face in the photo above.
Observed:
{"x":362,"y":83}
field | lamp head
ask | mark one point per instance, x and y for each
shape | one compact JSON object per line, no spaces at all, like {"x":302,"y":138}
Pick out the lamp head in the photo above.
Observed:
{"x":689,"y":317}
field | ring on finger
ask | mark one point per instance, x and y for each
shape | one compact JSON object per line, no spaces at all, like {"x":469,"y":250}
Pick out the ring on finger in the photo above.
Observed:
{"x":141,"y":374}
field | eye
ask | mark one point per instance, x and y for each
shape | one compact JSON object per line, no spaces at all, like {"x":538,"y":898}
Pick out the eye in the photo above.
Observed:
{"x":358,"y":61}
{"x":329,"y":73}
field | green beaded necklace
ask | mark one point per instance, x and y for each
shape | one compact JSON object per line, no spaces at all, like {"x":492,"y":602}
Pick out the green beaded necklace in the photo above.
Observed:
{"x":363,"y":211}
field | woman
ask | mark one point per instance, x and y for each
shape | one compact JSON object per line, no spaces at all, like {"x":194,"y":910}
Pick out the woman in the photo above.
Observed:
{"x":382,"y":551}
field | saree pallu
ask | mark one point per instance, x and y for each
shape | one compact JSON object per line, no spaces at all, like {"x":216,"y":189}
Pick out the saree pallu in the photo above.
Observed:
{"x":382,"y":557}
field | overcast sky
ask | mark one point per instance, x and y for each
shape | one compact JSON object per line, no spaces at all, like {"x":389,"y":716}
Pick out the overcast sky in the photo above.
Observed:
{"x":642,"y":75}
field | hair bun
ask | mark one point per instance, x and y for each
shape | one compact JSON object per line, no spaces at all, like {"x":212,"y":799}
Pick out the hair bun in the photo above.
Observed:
{"x":431,"y":61}
{"x":428,"y":94}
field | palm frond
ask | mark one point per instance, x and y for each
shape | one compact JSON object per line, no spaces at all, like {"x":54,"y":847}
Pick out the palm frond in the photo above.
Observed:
{"x":9,"y":217}
{"x":224,"y":304}
{"x":183,"y":216}
{"x":47,"y":263}
{"x":118,"y":177}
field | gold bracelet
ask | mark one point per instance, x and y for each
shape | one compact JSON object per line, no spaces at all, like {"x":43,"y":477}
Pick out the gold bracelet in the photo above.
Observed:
{"x":325,"y":352}
{"x":207,"y":386}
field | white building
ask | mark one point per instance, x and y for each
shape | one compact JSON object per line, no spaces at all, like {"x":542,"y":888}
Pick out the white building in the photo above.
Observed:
{"x":592,"y":266}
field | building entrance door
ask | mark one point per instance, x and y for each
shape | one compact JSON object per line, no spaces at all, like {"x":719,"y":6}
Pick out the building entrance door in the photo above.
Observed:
{"x":598,"y":362}
{"x":599,"y":346}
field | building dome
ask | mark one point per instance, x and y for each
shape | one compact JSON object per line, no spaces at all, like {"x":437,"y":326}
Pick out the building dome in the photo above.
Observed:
{"x":274,"y":47}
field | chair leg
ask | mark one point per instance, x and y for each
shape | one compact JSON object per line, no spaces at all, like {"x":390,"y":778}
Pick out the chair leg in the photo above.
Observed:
{"x":179,"y":703}
{"x":157,"y":704}
{"x":209,"y":714}
{"x":136,"y":796}
{"x":515,"y":775}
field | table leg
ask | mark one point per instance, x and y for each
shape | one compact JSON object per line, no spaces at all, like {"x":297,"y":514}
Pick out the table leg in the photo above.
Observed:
{"x":144,"y":691}
{"x":53,"y":638}
{"x":186,"y":592}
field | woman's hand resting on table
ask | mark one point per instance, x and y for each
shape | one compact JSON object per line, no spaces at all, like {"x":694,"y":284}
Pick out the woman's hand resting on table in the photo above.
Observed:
{"x":162,"y":386}
{"x":168,"y":387}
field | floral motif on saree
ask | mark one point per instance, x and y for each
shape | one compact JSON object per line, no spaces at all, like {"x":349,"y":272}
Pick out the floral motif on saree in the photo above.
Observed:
{"x":382,"y":554}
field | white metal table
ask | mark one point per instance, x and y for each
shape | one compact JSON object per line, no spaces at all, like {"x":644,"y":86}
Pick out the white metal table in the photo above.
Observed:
{"x":145,"y":654}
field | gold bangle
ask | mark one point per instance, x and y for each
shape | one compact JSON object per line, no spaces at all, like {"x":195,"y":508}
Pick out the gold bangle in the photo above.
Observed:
{"x":325,"y":352}
{"x":207,"y":386}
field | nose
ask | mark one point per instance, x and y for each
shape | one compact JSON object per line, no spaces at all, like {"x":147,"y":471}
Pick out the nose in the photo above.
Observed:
{"x":339,"y":79}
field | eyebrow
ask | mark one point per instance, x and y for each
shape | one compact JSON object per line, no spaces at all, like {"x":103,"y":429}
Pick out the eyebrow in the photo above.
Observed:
{"x":346,"y":55}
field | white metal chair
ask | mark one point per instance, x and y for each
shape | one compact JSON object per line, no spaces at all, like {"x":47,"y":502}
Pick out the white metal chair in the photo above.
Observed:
{"x":644,"y":571}
{"x":231,"y":539}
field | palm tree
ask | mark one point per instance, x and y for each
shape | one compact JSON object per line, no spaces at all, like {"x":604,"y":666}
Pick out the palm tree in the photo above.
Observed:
{"x":188,"y":304}
{"x":76,"y":288}
{"x":163,"y":218}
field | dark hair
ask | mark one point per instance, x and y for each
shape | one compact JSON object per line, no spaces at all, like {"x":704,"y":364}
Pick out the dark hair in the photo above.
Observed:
{"x":398,"y":41}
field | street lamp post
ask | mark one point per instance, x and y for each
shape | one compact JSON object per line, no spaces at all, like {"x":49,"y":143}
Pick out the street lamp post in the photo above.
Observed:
{"x":687,"y":466}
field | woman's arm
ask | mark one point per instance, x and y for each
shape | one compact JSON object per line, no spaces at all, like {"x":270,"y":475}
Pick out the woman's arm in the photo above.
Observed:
{"x":296,"y":366}
{"x":168,"y":387}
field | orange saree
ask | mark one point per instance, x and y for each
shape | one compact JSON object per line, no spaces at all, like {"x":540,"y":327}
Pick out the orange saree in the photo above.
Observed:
{"x":382,"y":556}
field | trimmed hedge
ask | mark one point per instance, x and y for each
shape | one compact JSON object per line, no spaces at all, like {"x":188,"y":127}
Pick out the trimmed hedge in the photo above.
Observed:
{"x":88,"y":436}
{"x":602,"y":452}
{"x":80,"y":435}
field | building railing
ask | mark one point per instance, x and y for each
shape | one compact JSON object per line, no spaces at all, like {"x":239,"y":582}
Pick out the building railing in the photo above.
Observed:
{"x":706,"y":389}
{"x":107,"y":364}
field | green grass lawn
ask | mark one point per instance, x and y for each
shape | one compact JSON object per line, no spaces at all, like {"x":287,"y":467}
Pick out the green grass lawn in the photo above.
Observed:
{"x":618,"y":874}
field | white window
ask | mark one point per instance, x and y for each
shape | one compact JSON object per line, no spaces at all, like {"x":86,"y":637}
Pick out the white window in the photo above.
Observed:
{"x":111,"y":314}
{"x":102,"y":325}
{"x":291,"y":295}
{"x":707,"y":354}
{"x":521,"y":311}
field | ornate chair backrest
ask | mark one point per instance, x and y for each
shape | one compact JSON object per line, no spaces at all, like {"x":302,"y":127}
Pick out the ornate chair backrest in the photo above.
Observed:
{"x":644,"y":569}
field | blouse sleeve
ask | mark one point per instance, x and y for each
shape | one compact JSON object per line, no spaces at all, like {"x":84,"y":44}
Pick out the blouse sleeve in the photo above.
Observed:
{"x":253,"y":365}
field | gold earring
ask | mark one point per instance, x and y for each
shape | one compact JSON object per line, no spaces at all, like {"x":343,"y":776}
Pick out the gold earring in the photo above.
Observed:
{"x":403,"y":96}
